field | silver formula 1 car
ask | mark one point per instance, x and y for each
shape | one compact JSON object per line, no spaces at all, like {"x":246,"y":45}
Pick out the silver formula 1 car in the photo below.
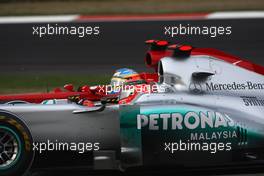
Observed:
{"x":206,"y":112}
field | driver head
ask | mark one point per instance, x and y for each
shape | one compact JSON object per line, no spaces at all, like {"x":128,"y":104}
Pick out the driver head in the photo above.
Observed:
{"x":124,"y":75}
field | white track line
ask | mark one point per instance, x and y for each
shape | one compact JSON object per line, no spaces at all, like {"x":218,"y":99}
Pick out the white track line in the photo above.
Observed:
{"x":78,"y":18}
{"x":38,"y":19}
{"x":236,"y":15}
{"x":138,"y":18}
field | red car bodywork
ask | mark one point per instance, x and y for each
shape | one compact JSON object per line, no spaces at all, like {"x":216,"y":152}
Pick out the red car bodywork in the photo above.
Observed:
{"x":160,"y":49}
{"x":94,"y":93}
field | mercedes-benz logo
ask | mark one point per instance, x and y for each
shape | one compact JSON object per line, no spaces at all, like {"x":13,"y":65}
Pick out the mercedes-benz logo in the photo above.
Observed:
{"x":195,"y":88}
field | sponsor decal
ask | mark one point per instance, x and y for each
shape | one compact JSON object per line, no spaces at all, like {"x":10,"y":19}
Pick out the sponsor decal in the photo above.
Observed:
{"x":252,"y":101}
{"x":210,"y":86}
{"x":213,"y":135}
{"x":191,"y":120}
{"x":216,"y":124}
{"x":234,"y":86}
{"x":196,"y":88}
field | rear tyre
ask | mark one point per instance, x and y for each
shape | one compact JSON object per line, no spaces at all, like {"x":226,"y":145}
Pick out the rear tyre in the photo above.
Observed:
{"x":16,"y":153}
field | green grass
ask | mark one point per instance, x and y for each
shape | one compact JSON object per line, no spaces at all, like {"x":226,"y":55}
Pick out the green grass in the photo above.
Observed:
{"x":92,"y":7}
{"x":14,"y":83}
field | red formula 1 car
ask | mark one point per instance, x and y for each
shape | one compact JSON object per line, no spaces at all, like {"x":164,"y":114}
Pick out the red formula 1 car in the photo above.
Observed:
{"x":157,"y":50}
{"x":93,"y":93}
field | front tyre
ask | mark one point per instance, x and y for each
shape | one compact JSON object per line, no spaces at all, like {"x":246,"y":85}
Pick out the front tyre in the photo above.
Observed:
{"x":16,"y":152}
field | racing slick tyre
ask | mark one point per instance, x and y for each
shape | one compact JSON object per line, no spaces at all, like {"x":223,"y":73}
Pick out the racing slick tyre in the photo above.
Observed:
{"x":16,"y":153}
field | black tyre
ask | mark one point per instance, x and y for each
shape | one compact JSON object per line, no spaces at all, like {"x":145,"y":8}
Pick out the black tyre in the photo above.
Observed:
{"x":16,"y":153}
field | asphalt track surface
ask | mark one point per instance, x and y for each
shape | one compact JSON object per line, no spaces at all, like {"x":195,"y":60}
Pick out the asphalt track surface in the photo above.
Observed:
{"x":119,"y":44}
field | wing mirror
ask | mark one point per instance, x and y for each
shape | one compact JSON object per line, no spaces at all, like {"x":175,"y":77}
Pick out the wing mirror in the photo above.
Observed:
{"x":201,"y":76}
{"x":68,"y":87}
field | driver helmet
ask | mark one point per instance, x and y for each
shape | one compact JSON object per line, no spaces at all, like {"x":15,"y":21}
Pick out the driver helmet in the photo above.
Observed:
{"x":124,"y":75}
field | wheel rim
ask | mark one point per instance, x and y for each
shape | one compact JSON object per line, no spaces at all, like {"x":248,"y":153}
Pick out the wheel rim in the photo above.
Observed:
{"x":9,"y":147}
